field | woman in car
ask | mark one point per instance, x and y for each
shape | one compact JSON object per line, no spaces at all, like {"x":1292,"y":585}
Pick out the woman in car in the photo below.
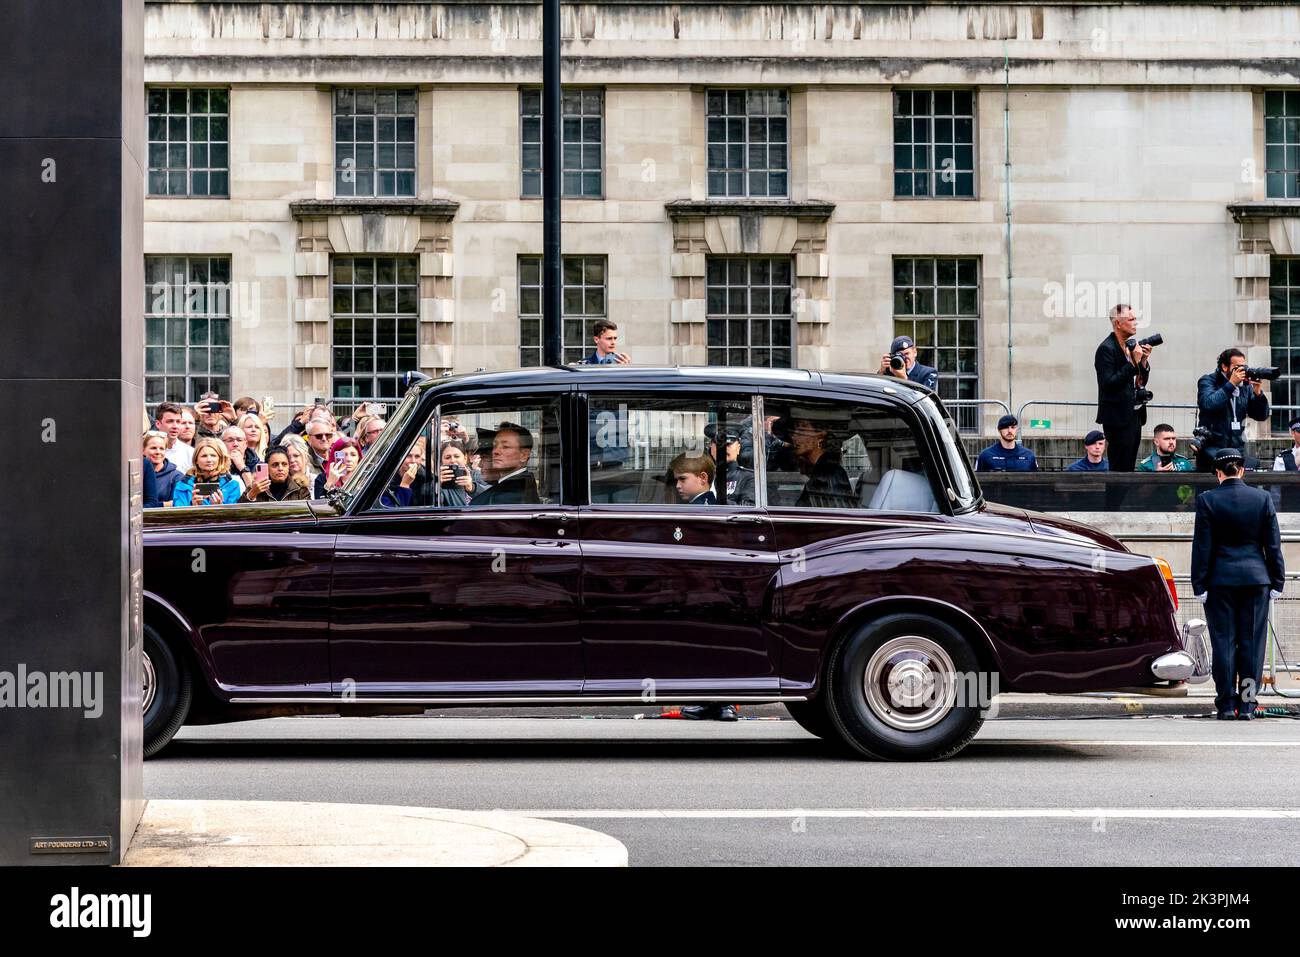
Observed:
{"x":211,"y":467}
{"x":817,"y":454}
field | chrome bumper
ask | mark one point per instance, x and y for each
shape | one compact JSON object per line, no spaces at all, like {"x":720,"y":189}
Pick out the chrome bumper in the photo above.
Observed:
{"x":1192,"y":664}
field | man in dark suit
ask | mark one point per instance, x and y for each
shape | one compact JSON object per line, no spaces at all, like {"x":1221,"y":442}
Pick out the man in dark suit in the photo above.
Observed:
{"x":1236,"y":561}
{"x":512,"y":446}
{"x":1225,"y":398}
{"x":1120,"y":373}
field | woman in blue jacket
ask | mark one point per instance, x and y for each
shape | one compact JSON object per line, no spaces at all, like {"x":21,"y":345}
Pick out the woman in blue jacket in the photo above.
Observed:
{"x":211,"y":464}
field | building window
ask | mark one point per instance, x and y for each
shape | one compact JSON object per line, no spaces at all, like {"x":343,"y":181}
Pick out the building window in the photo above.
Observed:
{"x":584,"y":302}
{"x":748,"y":142}
{"x":582,"y":150}
{"x":1284,"y":337}
{"x":1282,"y":144}
{"x":189,"y":142}
{"x":937,"y":304}
{"x":186,"y":327}
{"x":934,"y":143}
{"x":750,"y":311}
{"x":376,"y":317}
{"x":374,"y":142}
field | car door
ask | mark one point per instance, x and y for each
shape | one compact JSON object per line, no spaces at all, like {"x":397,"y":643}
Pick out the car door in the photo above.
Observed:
{"x":676,"y":596}
{"x":438,"y":597}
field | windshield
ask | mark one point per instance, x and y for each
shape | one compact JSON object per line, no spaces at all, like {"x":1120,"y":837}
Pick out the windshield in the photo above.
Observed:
{"x":964,"y":485}
{"x":375,"y":454}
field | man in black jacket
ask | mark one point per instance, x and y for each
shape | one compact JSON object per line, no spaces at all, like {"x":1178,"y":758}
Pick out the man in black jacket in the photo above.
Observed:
{"x":1225,"y":398}
{"x":1236,"y":561}
{"x":512,"y":447}
{"x":1120,"y":373}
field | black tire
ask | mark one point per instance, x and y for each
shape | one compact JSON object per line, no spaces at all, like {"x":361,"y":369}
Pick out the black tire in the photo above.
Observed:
{"x":812,"y":717}
{"x":173,"y":692}
{"x":909,"y":648}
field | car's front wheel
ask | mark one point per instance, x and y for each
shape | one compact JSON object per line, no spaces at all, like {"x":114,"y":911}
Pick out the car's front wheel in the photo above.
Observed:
{"x":906,"y":687}
{"x":167,"y":692}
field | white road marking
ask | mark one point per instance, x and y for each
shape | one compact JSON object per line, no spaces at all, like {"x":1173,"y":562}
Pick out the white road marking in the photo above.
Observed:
{"x":1140,"y":813}
{"x":1141,"y":743}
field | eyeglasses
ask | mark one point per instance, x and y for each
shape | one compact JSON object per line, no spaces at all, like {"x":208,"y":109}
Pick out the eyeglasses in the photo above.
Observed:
{"x":374,"y":431}
{"x":321,"y":435}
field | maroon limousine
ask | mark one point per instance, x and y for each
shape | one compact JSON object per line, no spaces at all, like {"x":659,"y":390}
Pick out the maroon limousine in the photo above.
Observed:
{"x":604,"y":534}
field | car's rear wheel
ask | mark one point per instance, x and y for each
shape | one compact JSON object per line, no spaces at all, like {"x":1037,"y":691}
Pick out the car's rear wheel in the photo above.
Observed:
{"x":812,"y":717}
{"x":168,"y":690}
{"x":900,"y":688}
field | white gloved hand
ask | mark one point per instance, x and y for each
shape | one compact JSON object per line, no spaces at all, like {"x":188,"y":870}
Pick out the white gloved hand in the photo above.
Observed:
{"x":1274,"y":594}
{"x":1202,"y":596}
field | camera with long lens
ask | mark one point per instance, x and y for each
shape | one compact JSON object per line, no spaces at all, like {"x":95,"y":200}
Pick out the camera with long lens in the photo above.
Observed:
{"x":1263,"y":373}
{"x":898,"y":361}
{"x":1155,"y":339}
{"x":1202,"y":438}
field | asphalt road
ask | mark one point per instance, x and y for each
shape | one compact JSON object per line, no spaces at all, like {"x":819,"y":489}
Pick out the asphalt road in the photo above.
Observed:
{"x":1107,"y":791}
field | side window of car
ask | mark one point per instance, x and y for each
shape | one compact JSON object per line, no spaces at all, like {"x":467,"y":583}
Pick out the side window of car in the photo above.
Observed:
{"x":484,"y":454}
{"x":669,"y":451}
{"x":844,"y":456}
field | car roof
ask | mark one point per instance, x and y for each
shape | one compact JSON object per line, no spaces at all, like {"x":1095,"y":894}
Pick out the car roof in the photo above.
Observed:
{"x":685,"y":376}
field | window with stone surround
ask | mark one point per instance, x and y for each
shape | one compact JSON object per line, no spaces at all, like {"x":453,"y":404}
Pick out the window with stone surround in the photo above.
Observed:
{"x":750,"y":311}
{"x":582,"y":156}
{"x":375,"y":308}
{"x":186,"y":327}
{"x":584,"y":302}
{"x":189,"y":141}
{"x":748,"y":142}
{"x":1282,"y":143}
{"x":1284,"y":338}
{"x":937,"y":304}
{"x":934,"y":143}
{"x":374,"y":142}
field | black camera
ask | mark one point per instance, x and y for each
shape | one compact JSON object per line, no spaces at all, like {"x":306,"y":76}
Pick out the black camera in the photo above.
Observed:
{"x":456,"y":472}
{"x":898,"y":361}
{"x":1143,"y":395}
{"x":1155,"y":339}
{"x":1262,"y":374}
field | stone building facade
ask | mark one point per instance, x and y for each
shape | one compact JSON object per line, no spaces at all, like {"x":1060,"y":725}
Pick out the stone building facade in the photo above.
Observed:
{"x":785,"y":183}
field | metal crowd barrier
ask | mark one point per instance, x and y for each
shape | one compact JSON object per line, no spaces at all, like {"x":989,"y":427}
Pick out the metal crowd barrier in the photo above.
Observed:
{"x":1047,"y":418}
{"x":971,"y":416}
{"x":1284,"y":616}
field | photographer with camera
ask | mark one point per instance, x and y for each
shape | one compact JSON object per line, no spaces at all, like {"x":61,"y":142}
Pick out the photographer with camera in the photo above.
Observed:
{"x":1224,"y":402}
{"x":901,"y":363}
{"x":1123,"y":370}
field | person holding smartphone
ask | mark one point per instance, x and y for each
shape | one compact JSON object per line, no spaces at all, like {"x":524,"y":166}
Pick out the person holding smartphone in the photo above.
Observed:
{"x":344,"y":457}
{"x":455,"y":477}
{"x":274,"y":480}
{"x":208,"y":482}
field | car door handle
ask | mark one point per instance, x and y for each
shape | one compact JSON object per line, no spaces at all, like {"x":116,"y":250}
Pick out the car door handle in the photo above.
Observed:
{"x":550,"y":517}
{"x":745,"y":520}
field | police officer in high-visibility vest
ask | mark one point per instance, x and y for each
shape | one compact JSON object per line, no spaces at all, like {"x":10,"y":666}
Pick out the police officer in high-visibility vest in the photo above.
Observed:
{"x":1236,"y":567}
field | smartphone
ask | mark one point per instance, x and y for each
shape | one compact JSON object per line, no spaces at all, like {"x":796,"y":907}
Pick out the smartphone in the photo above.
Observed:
{"x":377,"y":408}
{"x":262,"y":472}
{"x":338,"y":456}
{"x":206,"y":489}
{"x":268,"y":404}
{"x":319,"y":400}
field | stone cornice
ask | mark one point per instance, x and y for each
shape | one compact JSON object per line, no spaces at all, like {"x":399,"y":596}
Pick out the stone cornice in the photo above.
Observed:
{"x":1264,"y":209}
{"x":437,"y":209}
{"x":813,"y":209}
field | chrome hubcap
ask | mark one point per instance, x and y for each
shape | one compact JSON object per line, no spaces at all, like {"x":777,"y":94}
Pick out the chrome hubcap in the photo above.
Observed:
{"x":150,"y":682}
{"x":910,"y":683}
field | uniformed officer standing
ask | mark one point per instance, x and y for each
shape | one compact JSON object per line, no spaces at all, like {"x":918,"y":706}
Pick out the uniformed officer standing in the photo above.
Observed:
{"x":1236,"y":560}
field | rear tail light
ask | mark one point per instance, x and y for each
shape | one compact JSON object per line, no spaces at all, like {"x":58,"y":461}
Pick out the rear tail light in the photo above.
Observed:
{"x":1168,"y":574}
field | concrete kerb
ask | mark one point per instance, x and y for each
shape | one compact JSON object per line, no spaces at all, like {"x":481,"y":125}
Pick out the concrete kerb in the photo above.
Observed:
{"x":290,"y":833}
